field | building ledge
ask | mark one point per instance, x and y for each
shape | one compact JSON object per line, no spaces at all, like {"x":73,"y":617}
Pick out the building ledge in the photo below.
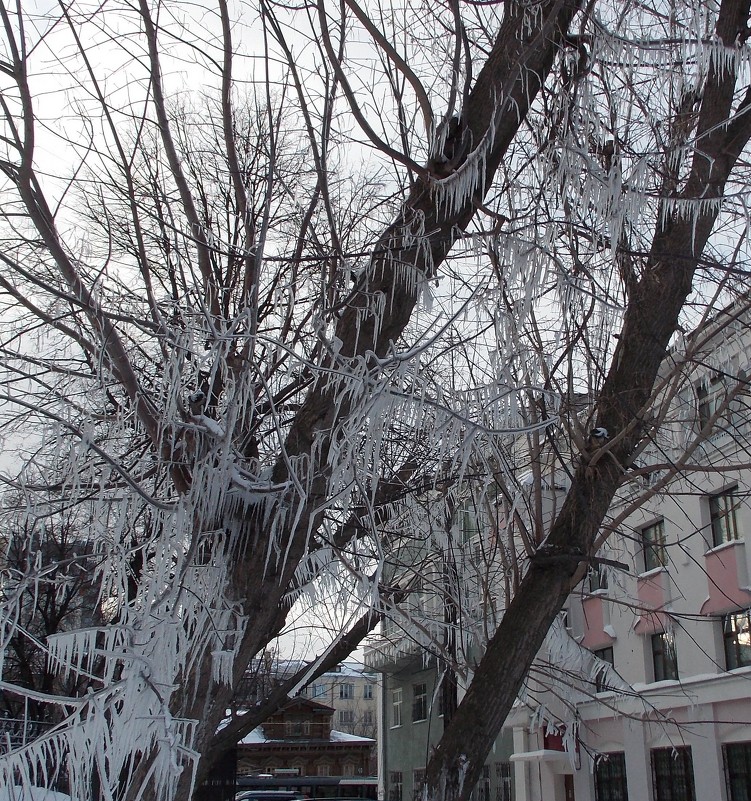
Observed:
{"x":543,"y":755}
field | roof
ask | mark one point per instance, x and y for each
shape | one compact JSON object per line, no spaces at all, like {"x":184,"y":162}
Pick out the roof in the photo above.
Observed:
{"x":257,"y":737}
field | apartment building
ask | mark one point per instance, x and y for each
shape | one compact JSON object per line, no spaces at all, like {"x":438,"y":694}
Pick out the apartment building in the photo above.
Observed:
{"x":643,"y":689}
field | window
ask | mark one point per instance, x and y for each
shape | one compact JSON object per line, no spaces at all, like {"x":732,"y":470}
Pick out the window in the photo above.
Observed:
{"x":606,"y":655}
{"x":467,"y":520}
{"x":367,"y":692}
{"x":396,"y":707}
{"x":653,"y":541}
{"x":673,"y":774}
{"x":736,"y":633}
{"x":317,"y":690}
{"x":737,"y":759}
{"x":418,"y":783}
{"x":324,"y":770}
{"x":367,"y":718}
{"x":664,"y":657}
{"x":503,"y":781}
{"x":419,"y":702}
{"x":395,"y":785}
{"x":296,"y":728}
{"x":349,"y":769}
{"x":346,"y":717}
{"x":598,"y":578}
{"x":722,"y":514}
{"x":346,"y":691}
{"x":483,"y":786}
{"x":610,"y":777}
{"x":708,"y":401}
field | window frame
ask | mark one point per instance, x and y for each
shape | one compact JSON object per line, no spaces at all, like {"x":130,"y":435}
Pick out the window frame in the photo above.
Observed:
{"x":346,"y":691}
{"x":346,"y":717}
{"x":504,"y":783}
{"x":419,"y":702}
{"x":597,"y":579}
{"x":723,"y":518}
{"x":367,"y":692}
{"x":603,"y":654}
{"x":664,"y":656}
{"x":742,"y":776}
{"x":674,"y":773}
{"x":611,"y":780}
{"x":731,"y":639}
{"x":418,"y":781}
{"x":397,"y":698}
{"x":396,"y":785}
{"x":654,"y":547}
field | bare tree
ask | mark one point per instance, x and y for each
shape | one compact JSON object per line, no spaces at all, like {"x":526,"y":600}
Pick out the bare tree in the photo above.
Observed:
{"x":246,"y":353}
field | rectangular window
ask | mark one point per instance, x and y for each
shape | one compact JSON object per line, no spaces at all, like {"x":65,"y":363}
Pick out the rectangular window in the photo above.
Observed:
{"x":395,"y":785}
{"x":673,"y":774}
{"x":653,"y":542}
{"x":324,"y":770}
{"x":317,"y":690}
{"x":736,"y":633}
{"x":598,"y":578}
{"x":367,"y":692}
{"x":419,"y":702}
{"x":601,"y":678}
{"x":418,"y":783}
{"x":346,"y":717}
{"x":707,"y":402}
{"x":610,"y":777}
{"x":664,"y":659}
{"x":483,"y":786}
{"x":346,"y":691}
{"x":469,"y":527}
{"x":503,"y":781}
{"x":396,"y":707}
{"x":723,"y":517}
{"x":367,"y":718}
{"x":737,"y":759}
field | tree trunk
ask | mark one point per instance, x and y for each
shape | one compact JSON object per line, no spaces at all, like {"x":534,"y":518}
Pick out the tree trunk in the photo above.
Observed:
{"x":622,"y":408}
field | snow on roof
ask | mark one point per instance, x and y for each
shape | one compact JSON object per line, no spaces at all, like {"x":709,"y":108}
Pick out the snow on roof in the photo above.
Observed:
{"x":343,"y":737}
{"x":257,"y":737}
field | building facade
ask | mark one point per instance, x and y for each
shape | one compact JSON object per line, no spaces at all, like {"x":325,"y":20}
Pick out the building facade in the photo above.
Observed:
{"x":641,"y":691}
{"x":299,"y":741}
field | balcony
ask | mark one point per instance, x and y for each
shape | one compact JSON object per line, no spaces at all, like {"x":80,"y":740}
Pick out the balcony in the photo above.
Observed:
{"x":386,"y":655}
{"x":727,"y":578}
{"x":596,"y":614}
{"x":653,"y":591}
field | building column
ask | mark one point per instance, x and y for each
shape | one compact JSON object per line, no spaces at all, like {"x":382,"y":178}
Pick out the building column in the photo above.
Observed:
{"x":522,"y":789}
{"x":382,"y":743}
{"x":706,"y":753}
{"x":638,"y":765}
{"x":584,"y":778}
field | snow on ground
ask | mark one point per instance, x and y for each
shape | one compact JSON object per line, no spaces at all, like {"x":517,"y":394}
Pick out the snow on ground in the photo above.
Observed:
{"x":31,"y":794}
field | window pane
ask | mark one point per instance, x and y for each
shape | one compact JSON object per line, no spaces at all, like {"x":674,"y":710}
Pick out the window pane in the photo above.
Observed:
{"x":610,"y":778}
{"x":419,"y":701}
{"x":673,"y":774}
{"x":664,"y":659}
{"x":736,"y":631}
{"x":722,"y":513}
{"x":737,"y":757}
{"x":606,"y":655}
{"x":653,"y":538}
